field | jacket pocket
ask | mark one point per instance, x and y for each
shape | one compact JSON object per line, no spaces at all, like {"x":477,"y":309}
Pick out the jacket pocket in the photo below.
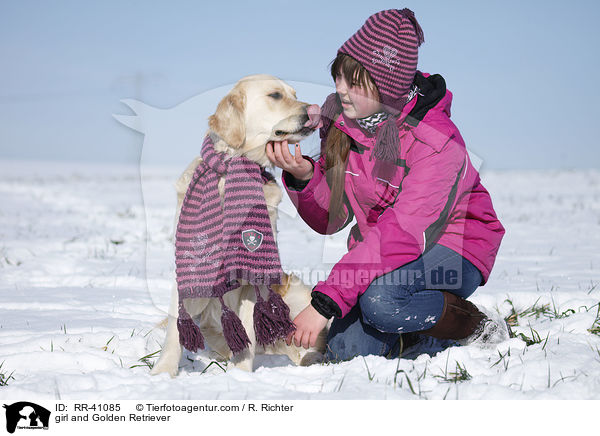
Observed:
{"x":386,"y":194}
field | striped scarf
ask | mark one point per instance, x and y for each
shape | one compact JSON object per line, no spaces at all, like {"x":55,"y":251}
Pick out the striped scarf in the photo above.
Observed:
{"x":216,"y":247}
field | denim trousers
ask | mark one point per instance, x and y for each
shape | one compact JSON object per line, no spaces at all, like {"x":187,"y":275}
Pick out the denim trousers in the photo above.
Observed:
{"x":408,"y":299}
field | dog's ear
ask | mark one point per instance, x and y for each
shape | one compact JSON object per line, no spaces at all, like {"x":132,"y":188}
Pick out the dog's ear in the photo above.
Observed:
{"x":228,"y":120}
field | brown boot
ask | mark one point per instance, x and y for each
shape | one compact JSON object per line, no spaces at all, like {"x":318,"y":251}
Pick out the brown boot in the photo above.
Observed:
{"x":460,"y":319}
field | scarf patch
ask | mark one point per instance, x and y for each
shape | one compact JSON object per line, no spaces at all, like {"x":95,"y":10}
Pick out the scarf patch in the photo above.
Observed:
{"x":252,"y":239}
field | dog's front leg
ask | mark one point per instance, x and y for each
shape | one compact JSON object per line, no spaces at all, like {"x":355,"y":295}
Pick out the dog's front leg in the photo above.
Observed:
{"x":245,"y":359}
{"x":170,"y":354}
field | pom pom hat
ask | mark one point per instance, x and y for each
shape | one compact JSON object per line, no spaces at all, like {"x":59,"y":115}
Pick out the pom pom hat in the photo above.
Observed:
{"x":387,"y":47}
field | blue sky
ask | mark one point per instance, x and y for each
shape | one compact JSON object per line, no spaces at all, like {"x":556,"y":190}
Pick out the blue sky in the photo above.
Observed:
{"x":522,"y":72}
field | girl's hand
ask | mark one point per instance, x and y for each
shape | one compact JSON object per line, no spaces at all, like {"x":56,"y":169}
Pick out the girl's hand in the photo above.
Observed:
{"x":309,"y":324}
{"x":296,"y":165}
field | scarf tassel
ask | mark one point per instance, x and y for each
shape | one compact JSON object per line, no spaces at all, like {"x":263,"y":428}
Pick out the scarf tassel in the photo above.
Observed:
{"x":330,"y":110}
{"x":271,"y":322}
{"x":388,"y":141}
{"x":271,"y":318}
{"x":233,"y":330}
{"x":387,"y":150}
{"x":189,"y":333}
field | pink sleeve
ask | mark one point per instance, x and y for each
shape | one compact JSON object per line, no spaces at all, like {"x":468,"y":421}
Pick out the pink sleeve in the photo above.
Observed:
{"x":312,"y":201}
{"x":398,"y":237}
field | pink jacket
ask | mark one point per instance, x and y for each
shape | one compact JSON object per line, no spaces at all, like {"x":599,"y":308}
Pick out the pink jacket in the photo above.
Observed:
{"x":435,"y":196}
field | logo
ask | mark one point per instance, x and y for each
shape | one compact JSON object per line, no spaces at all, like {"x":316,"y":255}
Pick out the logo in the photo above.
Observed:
{"x":387,"y":57}
{"x":414,"y":91}
{"x":25,"y":415}
{"x":252,"y":239}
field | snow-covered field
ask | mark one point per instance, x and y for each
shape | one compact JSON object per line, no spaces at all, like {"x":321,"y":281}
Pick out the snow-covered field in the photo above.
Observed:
{"x":82,"y":294}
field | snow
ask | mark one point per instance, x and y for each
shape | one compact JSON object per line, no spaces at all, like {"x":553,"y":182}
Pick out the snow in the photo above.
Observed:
{"x":86,"y":267}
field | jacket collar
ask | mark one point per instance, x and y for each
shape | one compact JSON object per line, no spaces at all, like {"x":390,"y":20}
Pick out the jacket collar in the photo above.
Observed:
{"x":429,"y":92}
{"x":361,"y":136}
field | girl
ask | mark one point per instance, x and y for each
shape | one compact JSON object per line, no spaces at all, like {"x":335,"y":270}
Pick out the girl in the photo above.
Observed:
{"x":426,"y":234}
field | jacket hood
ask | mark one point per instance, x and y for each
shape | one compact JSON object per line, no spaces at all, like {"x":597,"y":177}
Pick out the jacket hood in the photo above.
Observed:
{"x":429,"y":113}
{"x":431,"y":92}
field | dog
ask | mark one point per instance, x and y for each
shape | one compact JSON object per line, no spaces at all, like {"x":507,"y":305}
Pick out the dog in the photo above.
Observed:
{"x":258,"y":109}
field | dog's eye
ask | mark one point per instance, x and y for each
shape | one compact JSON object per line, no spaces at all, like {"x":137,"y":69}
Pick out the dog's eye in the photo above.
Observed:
{"x":276,"y":95}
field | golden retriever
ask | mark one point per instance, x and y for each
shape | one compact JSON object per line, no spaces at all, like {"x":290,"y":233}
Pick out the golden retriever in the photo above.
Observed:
{"x":259,"y":109}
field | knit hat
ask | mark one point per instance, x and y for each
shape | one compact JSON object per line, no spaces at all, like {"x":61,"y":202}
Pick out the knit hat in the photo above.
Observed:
{"x":387,"y":47}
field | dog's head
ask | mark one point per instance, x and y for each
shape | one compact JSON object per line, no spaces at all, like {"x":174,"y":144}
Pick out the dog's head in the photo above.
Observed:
{"x":259,"y":109}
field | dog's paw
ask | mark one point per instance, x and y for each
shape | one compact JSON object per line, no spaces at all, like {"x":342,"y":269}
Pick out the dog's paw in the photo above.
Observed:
{"x":243,"y":361}
{"x":311,"y":358}
{"x":161,"y":367}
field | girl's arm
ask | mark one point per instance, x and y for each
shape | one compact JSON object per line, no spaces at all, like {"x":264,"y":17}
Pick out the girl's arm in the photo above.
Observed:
{"x":306,"y":184}
{"x":311,"y":198}
{"x":399,"y":236}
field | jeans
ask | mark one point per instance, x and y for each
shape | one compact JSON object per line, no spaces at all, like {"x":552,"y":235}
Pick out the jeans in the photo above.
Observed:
{"x":408,"y":299}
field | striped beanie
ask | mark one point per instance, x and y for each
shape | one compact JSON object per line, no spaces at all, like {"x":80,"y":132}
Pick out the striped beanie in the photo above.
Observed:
{"x":387,"y":47}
